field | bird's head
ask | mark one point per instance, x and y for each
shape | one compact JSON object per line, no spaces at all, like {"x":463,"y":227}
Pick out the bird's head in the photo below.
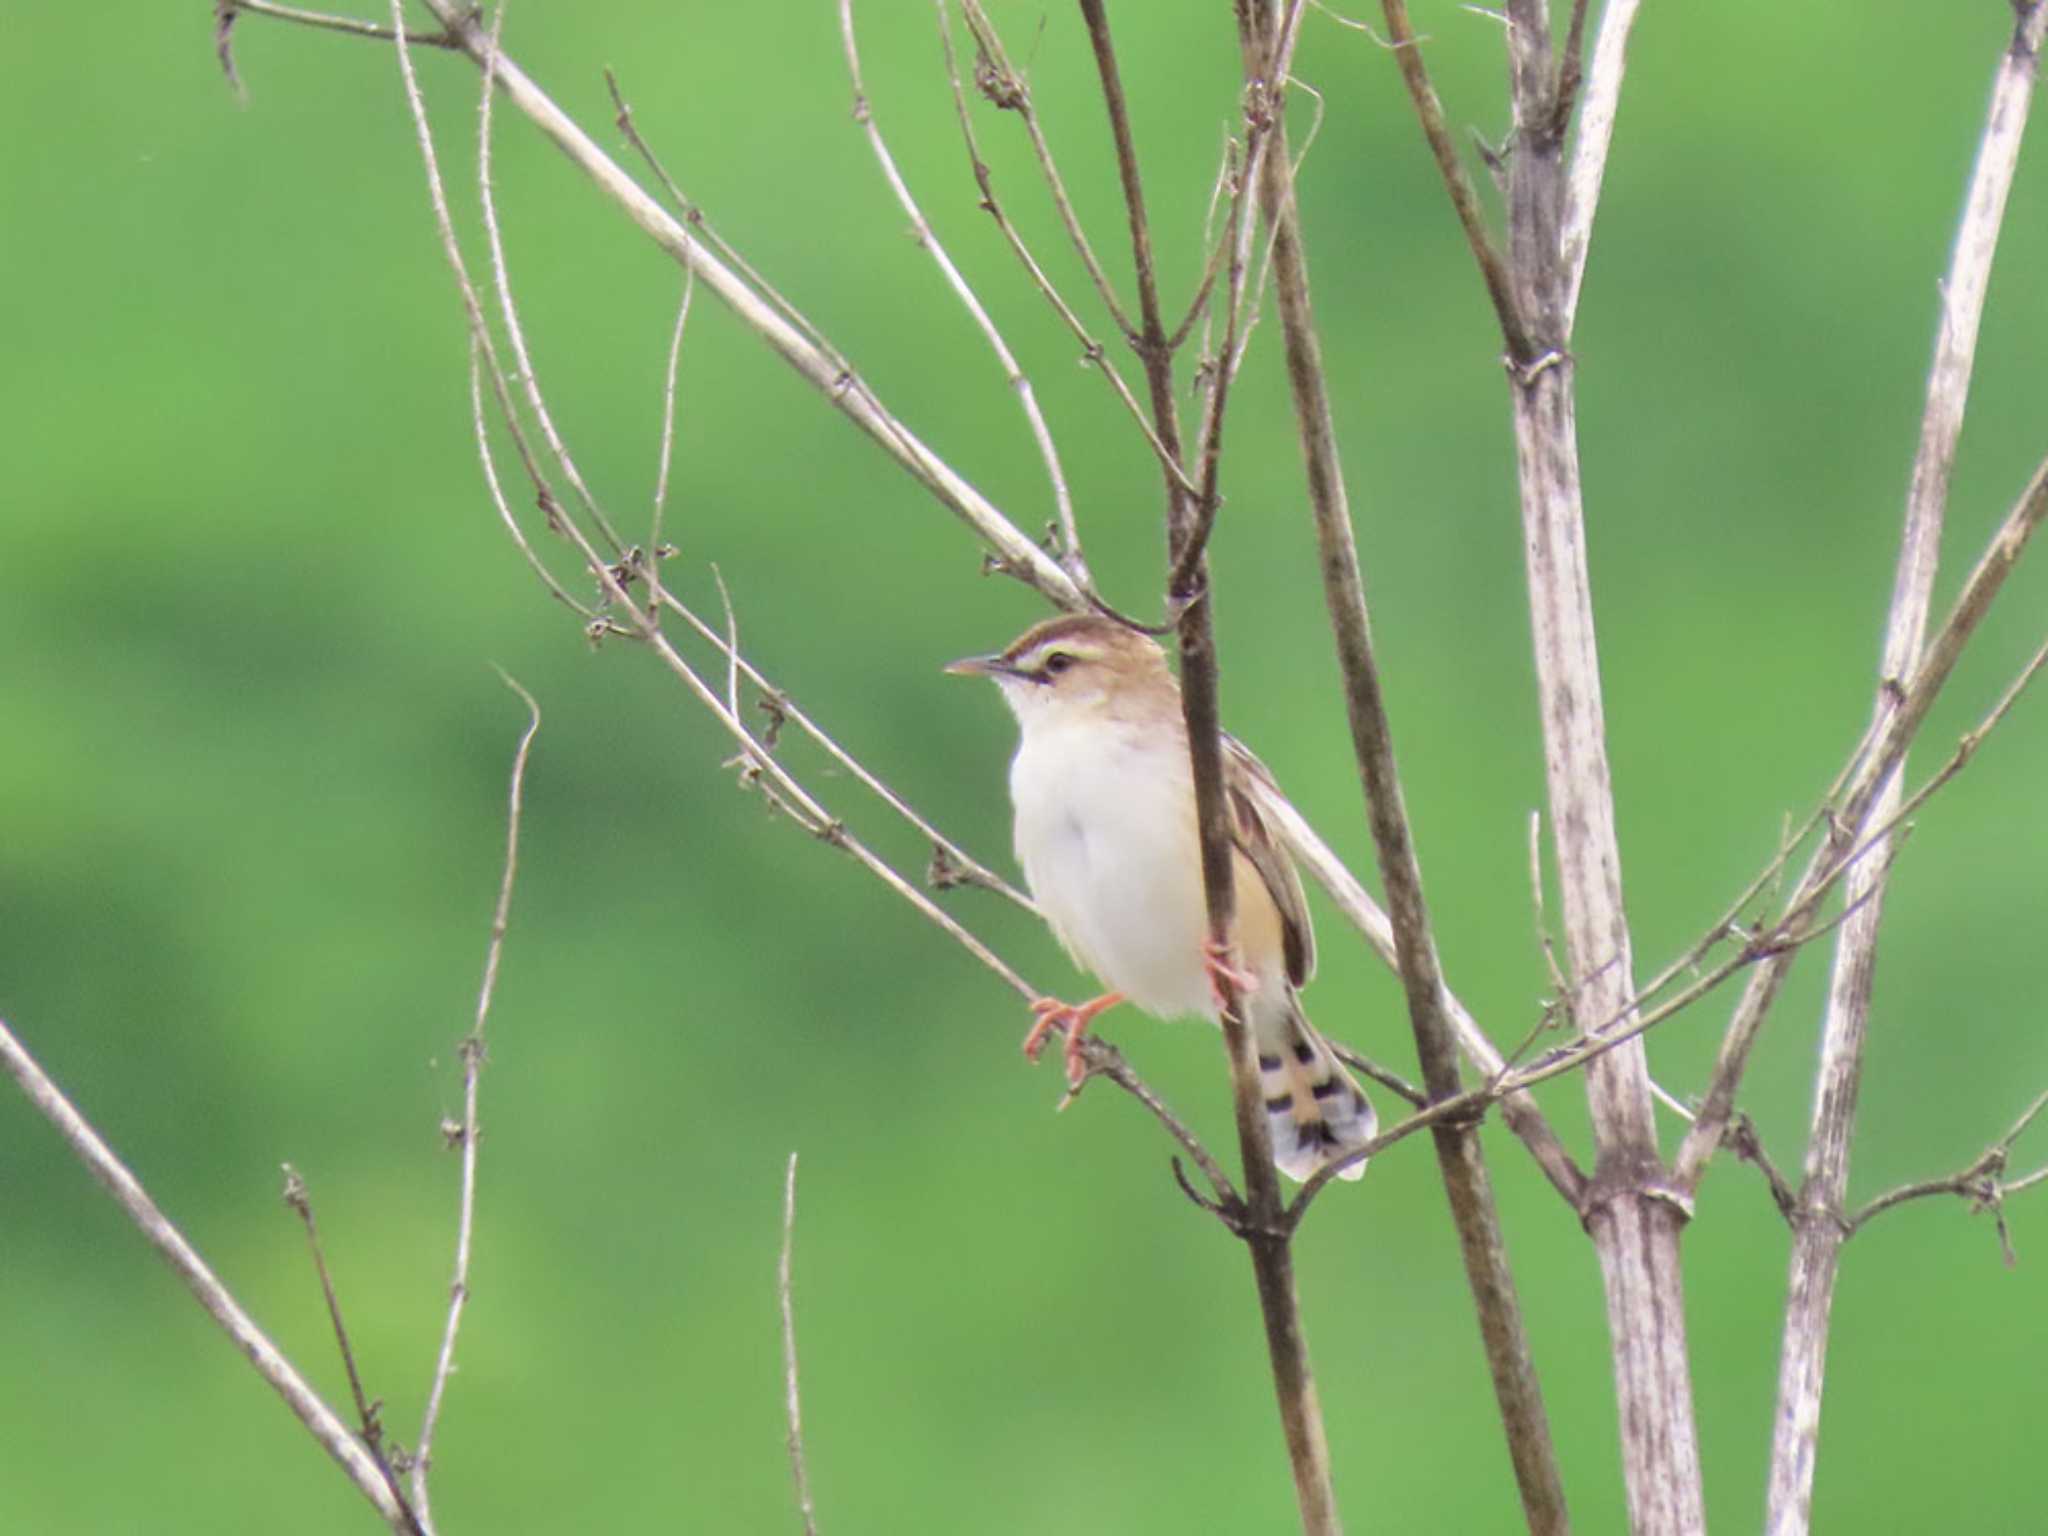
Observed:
{"x":1078,"y":666}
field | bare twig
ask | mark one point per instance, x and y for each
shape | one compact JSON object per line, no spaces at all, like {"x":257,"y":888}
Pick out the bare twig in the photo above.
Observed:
{"x":964,"y":867}
{"x":761,"y":766}
{"x":481,"y":426}
{"x":1599,"y":102}
{"x":1386,"y":1078}
{"x":1105,"y":1060}
{"x":1744,"y":1142}
{"x":657,"y":551}
{"x":1006,"y":89}
{"x":1092,"y":352}
{"x":1020,"y":383}
{"x":1187,"y":578}
{"x":702,"y":229}
{"x":523,"y":370}
{"x":1461,"y":1161}
{"x":732,"y":645}
{"x":1559,"y":985}
{"x":227,"y":10}
{"x":296,"y":1196}
{"x":1965,"y":750}
{"x":367,"y":1412}
{"x":1436,"y":132}
{"x":1018,"y":554}
{"x":1765,"y":943}
{"x":1875,"y":763}
{"x":660,"y":599}
{"x":1260,"y":1223}
{"x":468,"y":1133}
{"x":791,"y":1402}
{"x":788,"y":795}
{"x":1817,"y":1238}
{"x":1149,"y":338}
{"x":1982,"y":1182}
{"x":321,"y":1421}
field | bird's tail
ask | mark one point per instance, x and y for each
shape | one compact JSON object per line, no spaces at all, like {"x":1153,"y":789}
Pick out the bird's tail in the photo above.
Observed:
{"x":1316,"y":1113}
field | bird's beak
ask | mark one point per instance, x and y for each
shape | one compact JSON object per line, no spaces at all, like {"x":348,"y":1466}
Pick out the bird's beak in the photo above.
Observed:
{"x":980,"y":666}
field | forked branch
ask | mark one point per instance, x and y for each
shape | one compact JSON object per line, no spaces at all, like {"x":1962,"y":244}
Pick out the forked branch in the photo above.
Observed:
{"x":1817,"y":1236}
{"x":321,"y":1421}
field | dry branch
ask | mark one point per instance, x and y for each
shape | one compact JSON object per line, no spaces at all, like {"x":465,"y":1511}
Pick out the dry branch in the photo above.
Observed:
{"x":1041,"y":434}
{"x":792,"y":1402}
{"x":469,"y":1132}
{"x":1460,"y":1158}
{"x":1264,"y":1230}
{"x":1630,"y":1213}
{"x":1818,"y":1233}
{"x":321,"y":1422}
{"x":1019,"y":556}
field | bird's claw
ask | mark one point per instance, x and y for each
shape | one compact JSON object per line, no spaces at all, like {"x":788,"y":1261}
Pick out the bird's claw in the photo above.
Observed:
{"x":1070,"y":1019}
{"x":1216,"y":959}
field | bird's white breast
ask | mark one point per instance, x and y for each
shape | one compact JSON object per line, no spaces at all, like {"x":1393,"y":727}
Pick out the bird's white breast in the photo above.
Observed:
{"x":1106,"y":835}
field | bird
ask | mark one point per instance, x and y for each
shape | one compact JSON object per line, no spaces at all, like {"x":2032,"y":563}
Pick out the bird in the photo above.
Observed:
{"x":1106,"y":833}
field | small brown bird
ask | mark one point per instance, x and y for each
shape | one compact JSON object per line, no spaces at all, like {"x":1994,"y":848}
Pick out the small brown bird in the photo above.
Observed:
{"x":1106,"y":833}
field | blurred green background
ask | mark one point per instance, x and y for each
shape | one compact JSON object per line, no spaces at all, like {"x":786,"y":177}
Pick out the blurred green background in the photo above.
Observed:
{"x":251,"y":791}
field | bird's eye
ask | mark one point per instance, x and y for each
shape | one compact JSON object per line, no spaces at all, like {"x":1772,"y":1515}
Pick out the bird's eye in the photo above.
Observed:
{"x":1056,"y":663}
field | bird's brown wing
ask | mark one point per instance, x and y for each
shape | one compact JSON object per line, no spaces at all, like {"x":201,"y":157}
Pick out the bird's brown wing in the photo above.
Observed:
{"x":1243,"y":776}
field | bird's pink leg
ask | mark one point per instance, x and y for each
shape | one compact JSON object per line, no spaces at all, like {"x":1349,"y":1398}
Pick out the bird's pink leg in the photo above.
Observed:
{"x":1216,"y":960}
{"x":1072,"y":1020}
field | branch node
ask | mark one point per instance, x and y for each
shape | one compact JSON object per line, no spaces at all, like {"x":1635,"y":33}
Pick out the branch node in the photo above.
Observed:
{"x":775,"y":705}
{"x":1001,"y":88}
{"x":1525,"y":374}
{"x":944,"y":872}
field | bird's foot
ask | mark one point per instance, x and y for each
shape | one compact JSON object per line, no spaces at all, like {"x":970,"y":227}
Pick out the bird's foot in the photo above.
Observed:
{"x":1071,"y":1020}
{"x":1216,"y":959}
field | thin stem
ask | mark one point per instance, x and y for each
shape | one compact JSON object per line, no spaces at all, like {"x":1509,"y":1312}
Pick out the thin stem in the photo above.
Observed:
{"x":1599,"y":103}
{"x":1460,"y":1159}
{"x":1875,"y":762}
{"x":961,"y":866}
{"x":480,"y":424}
{"x":348,"y":26}
{"x":1818,"y":1237}
{"x":1978,"y":1181}
{"x":372,"y":1428}
{"x":523,"y":369}
{"x":469,"y":1133}
{"x":791,"y":1400}
{"x":1150,"y":337}
{"x":657,"y":551}
{"x":1261,"y":1222}
{"x":1020,"y":384}
{"x":1017,"y":554}
{"x":1092,"y":352}
{"x":1436,"y":130}
{"x":321,"y":1421}
{"x":1006,"y":88}
{"x":1105,"y":1060}
{"x":1188,"y":574}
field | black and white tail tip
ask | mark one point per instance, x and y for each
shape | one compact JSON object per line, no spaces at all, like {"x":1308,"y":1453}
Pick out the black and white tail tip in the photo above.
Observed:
{"x":1315,"y":1112}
